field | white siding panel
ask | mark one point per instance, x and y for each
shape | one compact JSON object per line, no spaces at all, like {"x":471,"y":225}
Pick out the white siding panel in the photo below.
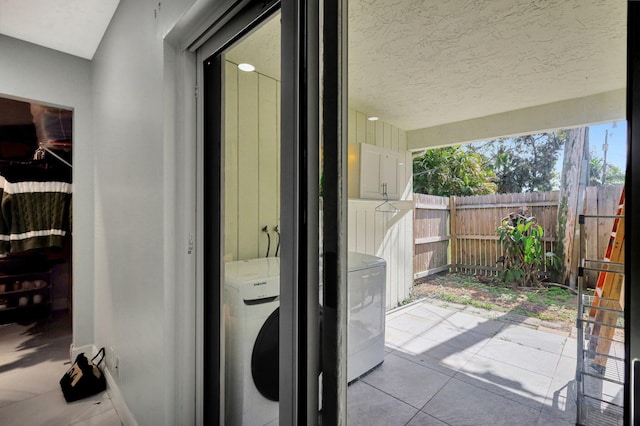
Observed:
{"x":387,"y":136}
{"x":361,"y":127}
{"x":402,"y":140}
{"x":380,"y":133}
{"x":351,"y":128}
{"x":389,"y":236}
{"x":268,"y":148}
{"x":252,"y":163}
{"x":394,"y":138}
{"x":231,"y":162}
{"x":371,"y":132}
{"x":249,"y":234}
{"x":381,"y":234}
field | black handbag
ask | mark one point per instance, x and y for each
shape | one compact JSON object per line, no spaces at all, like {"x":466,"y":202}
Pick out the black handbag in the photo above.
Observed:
{"x":84,"y":378}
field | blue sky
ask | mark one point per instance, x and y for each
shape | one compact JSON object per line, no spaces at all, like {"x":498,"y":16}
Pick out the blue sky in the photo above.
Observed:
{"x":617,"y":141}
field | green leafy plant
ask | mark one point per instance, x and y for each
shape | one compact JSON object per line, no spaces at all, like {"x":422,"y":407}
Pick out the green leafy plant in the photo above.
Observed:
{"x":524,"y":256}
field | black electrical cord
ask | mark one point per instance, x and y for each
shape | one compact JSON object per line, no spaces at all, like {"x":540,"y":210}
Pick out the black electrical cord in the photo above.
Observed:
{"x":275,"y":228}
{"x":266,"y":231}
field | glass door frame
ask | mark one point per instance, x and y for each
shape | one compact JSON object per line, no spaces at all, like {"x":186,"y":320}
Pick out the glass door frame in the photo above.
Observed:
{"x":299,"y":334}
{"x":632,"y":213}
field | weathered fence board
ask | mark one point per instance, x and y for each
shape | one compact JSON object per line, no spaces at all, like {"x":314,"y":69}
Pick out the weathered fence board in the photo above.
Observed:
{"x":431,"y":235}
{"x":600,"y":201}
{"x":478,"y":217}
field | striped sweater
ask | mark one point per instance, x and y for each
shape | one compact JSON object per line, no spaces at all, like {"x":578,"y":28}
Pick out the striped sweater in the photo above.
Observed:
{"x":34,"y":208}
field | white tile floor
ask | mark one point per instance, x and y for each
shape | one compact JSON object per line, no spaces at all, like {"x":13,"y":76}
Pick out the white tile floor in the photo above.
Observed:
{"x":33,"y":358}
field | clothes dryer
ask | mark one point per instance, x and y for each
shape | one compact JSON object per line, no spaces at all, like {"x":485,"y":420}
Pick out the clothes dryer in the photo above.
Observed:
{"x":366,"y":295}
{"x":366,"y":291}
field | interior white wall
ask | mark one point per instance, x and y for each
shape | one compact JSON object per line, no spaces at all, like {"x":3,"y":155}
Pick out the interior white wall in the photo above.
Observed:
{"x":31,"y":72}
{"x":137,"y":246}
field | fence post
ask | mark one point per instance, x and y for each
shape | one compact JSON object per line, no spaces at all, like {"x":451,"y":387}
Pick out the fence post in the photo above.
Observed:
{"x":452,"y":232}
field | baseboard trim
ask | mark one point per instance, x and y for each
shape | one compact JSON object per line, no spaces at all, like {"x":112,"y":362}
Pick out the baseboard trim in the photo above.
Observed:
{"x":126,"y":417}
{"x":118,"y":402}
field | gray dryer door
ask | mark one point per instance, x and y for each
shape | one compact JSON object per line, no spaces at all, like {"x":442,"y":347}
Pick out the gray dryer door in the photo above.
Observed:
{"x":264,"y":358}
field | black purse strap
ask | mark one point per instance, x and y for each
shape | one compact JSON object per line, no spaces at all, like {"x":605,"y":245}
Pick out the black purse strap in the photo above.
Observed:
{"x":101,"y":351}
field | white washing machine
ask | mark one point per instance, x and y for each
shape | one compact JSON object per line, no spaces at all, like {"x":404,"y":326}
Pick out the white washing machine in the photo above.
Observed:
{"x":251,"y":301}
{"x":251,"y":304}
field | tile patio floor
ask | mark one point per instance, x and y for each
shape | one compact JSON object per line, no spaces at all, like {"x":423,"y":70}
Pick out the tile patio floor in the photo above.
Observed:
{"x":453,"y":366}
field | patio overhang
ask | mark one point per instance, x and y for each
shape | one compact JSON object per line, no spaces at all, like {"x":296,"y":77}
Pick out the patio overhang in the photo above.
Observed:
{"x":585,"y":111}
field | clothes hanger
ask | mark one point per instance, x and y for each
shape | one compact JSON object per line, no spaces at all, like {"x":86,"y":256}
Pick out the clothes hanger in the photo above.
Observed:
{"x":41,"y":152}
{"x":386,"y":206}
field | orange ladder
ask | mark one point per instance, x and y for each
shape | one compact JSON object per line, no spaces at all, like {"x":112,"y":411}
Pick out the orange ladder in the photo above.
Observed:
{"x":608,"y":299}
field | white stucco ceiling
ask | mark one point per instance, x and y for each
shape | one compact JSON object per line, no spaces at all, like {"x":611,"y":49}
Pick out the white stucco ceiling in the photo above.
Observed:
{"x":423,"y":63}
{"x":71,"y":26}
{"x":418,"y":64}
{"x":414,"y":63}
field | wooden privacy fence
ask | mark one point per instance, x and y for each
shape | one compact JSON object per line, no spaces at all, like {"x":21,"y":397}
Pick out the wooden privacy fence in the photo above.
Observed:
{"x":599,"y":201}
{"x":459,"y":233}
{"x":431,"y":234}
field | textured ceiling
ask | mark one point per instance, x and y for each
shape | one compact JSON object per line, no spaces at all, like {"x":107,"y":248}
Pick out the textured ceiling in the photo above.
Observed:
{"x":423,"y":63}
{"x":419,"y":63}
{"x":414,"y":63}
{"x":71,"y":26}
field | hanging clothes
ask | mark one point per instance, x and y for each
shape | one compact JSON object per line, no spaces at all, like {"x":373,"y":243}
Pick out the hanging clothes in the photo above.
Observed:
{"x":35,"y":207}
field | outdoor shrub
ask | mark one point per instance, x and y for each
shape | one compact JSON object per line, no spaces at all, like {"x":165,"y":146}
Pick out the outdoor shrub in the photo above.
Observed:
{"x":524,"y":256}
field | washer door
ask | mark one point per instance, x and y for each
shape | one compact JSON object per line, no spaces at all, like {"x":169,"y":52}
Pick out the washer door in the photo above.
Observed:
{"x":264,"y":358}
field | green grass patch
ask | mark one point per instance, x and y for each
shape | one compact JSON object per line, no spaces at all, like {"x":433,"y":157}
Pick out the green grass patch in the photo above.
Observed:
{"x":483,"y":305}
{"x":465,"y":300}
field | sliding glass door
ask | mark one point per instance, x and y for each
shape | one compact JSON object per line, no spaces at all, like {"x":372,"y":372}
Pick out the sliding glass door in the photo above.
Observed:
{"x":259,"y":157}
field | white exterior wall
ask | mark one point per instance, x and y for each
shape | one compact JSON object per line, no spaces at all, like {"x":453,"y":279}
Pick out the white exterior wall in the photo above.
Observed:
{"x":252,"y":163}
{"x":30,"y":72}
{"x":386,"y":235}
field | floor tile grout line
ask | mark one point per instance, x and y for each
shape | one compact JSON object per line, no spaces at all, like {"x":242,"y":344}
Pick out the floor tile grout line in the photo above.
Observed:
{"x":425,"y":413}
{"x":388,"y":394}
{"x":538,"y":409}
{"x":518,"y":366}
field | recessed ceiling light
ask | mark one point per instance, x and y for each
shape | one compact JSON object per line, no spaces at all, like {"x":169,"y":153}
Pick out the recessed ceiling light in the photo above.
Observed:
{"x":374,"y":118}
{"x":246,"y":67}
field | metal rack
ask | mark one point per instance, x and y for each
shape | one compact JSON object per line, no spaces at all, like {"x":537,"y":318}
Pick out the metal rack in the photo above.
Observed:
{"x":600,"y":341}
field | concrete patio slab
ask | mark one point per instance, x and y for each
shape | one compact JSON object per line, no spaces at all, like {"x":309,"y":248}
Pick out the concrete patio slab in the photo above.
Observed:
{"x":460,"y":403}
{"x":368,"y":406}
{"x":525,"y":357}
{"x":407,"y":381}
{"x":460,"y":367}
{"x":532,"y":338}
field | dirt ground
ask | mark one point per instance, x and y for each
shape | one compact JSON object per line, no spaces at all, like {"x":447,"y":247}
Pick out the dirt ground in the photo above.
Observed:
{"x":557,"y":306}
